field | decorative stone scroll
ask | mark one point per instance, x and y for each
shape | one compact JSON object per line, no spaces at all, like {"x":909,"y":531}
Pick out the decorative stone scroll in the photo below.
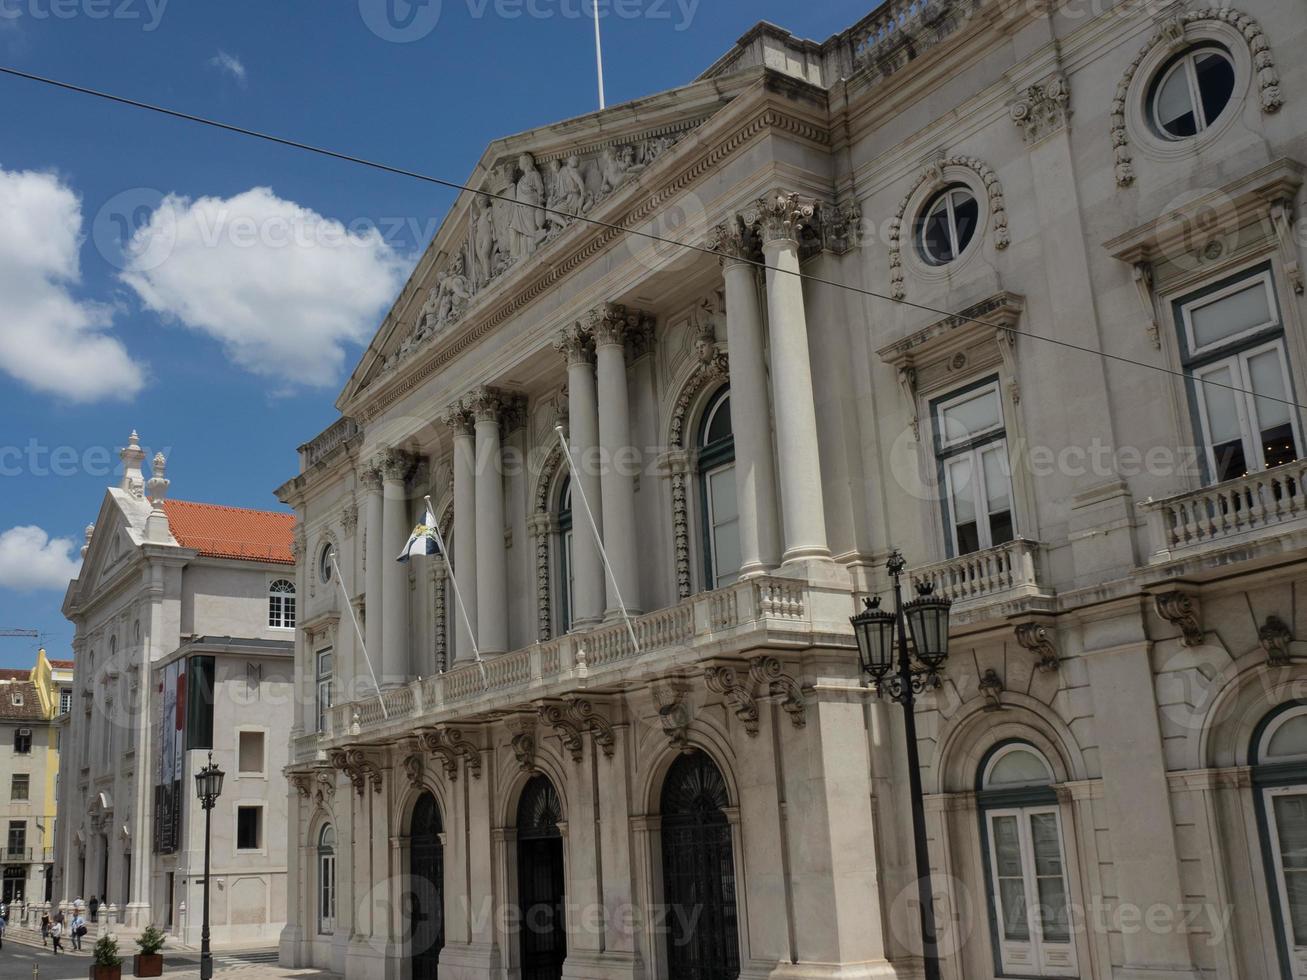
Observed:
{"x":769,"y":673}
{"x":725,"y":680}
{"x":933,"y":173}
{"x":1171,"y":32}
{"x":1178,"y":609}
{"x":556,"y":715}
{"x":588,"y":719}
{"x":1042,"y":109}
{"x":433,"y":741}
{"x":360,"y":769}
{"x":1038,"y":639}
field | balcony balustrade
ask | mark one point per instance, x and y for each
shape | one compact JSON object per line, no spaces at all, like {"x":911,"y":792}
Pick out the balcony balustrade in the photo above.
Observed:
{"x":1007,"y":571}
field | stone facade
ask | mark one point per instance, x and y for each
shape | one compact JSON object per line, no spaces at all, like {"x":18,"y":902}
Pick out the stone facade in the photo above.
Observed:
{"x":900,"y":251}
{"x":177,"y":656}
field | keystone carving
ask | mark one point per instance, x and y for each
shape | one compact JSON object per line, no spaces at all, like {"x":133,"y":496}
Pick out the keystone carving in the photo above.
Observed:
{"x":674,"y":711}
{"x":414,"y":768}
{"x":991,"y":686}
{"x":1275,"y":637}
{"x":1179,"y":609}
{"x":523,"y":740}
{"x":1038,"y":639}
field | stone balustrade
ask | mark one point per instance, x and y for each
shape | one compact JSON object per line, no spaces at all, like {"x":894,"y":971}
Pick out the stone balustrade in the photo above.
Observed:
{"x":1236,"y":511}
{"x":1001,"y":573}
{"x":753,"y":613}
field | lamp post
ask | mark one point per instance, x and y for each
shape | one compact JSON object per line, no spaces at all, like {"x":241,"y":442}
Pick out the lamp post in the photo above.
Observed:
{"x":904,"y":673}
{"x":208,"y":787}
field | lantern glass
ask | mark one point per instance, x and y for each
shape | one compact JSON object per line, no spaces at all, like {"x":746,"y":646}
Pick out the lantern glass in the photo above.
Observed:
{"x":874,"y":629}
{"x":928,"y":617}
{"x":208,"y":781}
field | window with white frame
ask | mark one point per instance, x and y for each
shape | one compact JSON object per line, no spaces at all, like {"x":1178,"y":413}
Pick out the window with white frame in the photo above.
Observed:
{"x":327,"y":880}
{"x":65,"y":700}
{"x":249,"y":827}
{"x":250,"y":753}
{"x":1191,"y":91}
{"x":1233,"y":349}
{"x":1280,"y":776}
{"x":974,"y":471}
{"x":323,"y":674}
{"x":1025,"y":863}
{"x":566,"y":569}
{"x":719,"y":504}
{"x":281,"y":604}
{"x":947,"y":224}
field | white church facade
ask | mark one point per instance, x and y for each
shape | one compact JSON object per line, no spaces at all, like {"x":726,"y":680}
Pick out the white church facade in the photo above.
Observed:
{"x":1013,"y":289}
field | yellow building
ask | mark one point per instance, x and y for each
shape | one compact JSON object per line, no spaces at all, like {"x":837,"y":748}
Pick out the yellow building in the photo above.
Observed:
{"x":30,"y":703}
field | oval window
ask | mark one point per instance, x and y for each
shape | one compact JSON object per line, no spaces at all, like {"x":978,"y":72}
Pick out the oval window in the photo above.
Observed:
{"x":948,"y":224}
{"x":1191,"y":91}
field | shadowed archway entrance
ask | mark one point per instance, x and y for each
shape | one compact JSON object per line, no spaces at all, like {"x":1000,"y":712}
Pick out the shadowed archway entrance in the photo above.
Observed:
{"x":703,"y":941}
{"x":540,"y":882}
{"x":426,"y":900}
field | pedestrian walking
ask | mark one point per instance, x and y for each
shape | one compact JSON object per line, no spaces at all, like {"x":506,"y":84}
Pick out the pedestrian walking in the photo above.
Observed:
{"x":3,"y":926}
{"x":79,"y":930}
{"x":56,"y":933}
{"x":93,"y":906}
{"x":45,"y":928}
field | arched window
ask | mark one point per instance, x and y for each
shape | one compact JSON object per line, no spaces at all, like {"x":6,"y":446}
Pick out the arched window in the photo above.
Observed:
{"x":1280,"y":774}
{"x":1025,"y":863}
{"x":541,"y":883}
{"x":426,"y":900}
{"x":281,"y":604}
{"x":327,"y":880}
{"x":566,"y":574}
{"x":717,"y":500}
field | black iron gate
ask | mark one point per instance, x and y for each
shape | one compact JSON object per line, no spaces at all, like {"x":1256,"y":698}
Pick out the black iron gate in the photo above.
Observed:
{"x":540,"y":881}
{"x":698,"y":873}
{"x":426,"y":899}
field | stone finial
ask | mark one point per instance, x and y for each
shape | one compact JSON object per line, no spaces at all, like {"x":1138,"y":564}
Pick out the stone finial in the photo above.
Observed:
{"x":157,"y":487}
{"x":90,"y":531}
{"x":132,"y":456}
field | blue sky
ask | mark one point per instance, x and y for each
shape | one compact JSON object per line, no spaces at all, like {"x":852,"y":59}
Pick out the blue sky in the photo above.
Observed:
{"x":124,"y":301}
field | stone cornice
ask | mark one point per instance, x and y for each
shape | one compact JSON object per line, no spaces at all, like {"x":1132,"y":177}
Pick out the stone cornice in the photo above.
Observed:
{"x":484,"y":316}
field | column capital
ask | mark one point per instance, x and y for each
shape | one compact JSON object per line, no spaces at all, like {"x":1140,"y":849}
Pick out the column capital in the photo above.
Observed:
{"x":612,"y":325}
{"x":458,"y":418}
{"x":370,"y":476}
{"x":779,"y":217}
{"x":396,"y":465}
{"x":576,"y":343}
{"x":735,"y":240}
{"x":484,"y":403}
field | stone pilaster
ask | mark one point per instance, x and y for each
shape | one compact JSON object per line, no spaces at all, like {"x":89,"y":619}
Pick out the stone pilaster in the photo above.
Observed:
{"x":576,"y":344}
{"x":492,"y":559}
{"x":464,"y":547}
{"x":395,"y":466}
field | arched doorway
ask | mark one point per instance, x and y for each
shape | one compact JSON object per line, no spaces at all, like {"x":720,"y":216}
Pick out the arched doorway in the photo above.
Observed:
{"x":540,"y":883}
{"x":703,"y":940}
{"x":426,"y":900}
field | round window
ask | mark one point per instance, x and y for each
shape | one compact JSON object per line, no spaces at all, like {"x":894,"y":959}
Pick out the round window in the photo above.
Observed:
{"x":1191,"y":91}
{"x":324,"y":563}
{"x":948,"y":224}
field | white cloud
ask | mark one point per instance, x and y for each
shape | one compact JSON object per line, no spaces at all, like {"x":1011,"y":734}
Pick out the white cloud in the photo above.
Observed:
{"x":30,"y":560}
{"x":283,"y":289}
{"x":49,"y":340}
{"x":230,"y":64}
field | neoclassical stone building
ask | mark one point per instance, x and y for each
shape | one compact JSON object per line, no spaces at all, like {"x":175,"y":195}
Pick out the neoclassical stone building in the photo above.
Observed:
{"x":860,"y":308}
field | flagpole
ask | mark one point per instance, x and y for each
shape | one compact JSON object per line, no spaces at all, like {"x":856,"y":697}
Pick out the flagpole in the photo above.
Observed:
{"x":340,"y":579}
{"x":579,"y":486}
{"x":599,"y":52}
{"x":458,"y":596}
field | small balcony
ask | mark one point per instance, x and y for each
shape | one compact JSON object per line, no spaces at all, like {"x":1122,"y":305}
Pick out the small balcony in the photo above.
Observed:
{"x":15,"y":855}
{"x":757,"y":613}
{"x":998,"y":576}
{"x":1257,"y":509}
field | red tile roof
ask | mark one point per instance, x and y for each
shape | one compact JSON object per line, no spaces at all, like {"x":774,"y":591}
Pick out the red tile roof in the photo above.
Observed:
{"x":14,"y":674}
{"x":61,"y":664}
{"x":29,"y":710}
{"x":232,"y":532}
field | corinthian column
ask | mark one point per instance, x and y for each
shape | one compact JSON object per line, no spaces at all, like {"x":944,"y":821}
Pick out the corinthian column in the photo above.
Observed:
{"x":492,"y":560}
{"x":755,"y":480}
{"x":395,"y":527}
{"x":374,"y":559}
{"x":464,"y":557}
{"x":575,"y":344}
{"x":802,"y":509}
{"x":616,"y":484}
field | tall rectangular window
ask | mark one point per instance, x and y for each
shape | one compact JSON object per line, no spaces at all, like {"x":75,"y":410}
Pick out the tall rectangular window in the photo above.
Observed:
{"x":971,"y":452}
{"x":1030,"y":891}
{"x":1232,"y":345}
{"x":22,"y":740}
{"x":250,"y":753}
{"x":17,"y":842}
{"x":324,"y":693}
{"x":249,"y":828}
{"x":19,"y":786}
{"x":65,"y":700}
{"x":199,"y":702}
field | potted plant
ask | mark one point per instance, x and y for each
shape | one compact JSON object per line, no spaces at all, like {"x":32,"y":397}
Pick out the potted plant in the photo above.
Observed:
{"x":148,"y":962}
{"x":106,"y":963}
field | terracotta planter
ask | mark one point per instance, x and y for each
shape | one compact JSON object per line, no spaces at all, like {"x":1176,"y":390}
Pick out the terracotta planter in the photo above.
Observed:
{"x":147,"y":965}
{"x":106,"y":973}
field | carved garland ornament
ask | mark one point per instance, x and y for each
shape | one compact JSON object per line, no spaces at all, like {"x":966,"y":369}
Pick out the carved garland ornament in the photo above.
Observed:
{"x":1172,"y":33}
{"x":934,"y":173}
{"x":542,"y":526}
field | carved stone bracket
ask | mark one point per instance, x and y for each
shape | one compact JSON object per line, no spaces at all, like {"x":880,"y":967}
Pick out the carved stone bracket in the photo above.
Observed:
{"x":557,"y":716}
{"x":414,"y":768}
{"x":725,"y":680}
{"x":1042,"y":109}
{"x":1143,"y":276}
{"x":671,"y":696}
{"x":360,"y":769}
{"x":991,"y":686}
{"x":303,"y":783}
{"x":769,"y":674}
{"x":1039,"y":640}
{"x":457,"y":740}
{"x":449,"y":745}
{"x":523,"y":740}
{"x":1179,"y":609}
{"x":1275,"y":637}
{"x":588,"y":719}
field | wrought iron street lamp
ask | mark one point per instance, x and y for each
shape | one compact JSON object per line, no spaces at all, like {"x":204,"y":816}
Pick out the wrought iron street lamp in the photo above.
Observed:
{"x":904,"y":673}
{"x":208,"y":787}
